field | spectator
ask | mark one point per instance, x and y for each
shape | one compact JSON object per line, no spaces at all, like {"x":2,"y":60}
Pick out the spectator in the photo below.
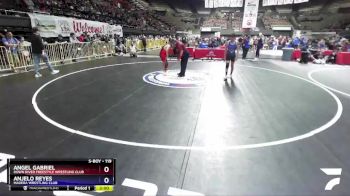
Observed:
{"x":259,"y":46}
{"x":203,"y":44}
{"x":120,"y":47}
{"x":246,"y":46}
{"x":11,"y":45}
{"x":87,"y":38}
{"x":60,"y":39}
{"x":2,"y":38}
{"x":39,"y":53}
{"x":62,"y":50}
{"x":133,"y":50}
{"x":304,"y":55}
{"x":345,"y":45}
{"x":332,"y":59}
{"x":24,"y":51}
{"x":144,"y":43}
{"x":322,"y":44}
{"x":275,"y":44}
{"x":81,"y":38}
{"x":73,"y":39}
{"x":296,"y":42}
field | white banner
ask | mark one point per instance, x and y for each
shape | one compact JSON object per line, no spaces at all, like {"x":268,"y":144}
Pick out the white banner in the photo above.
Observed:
{"x":288,"y":1}
{"x":250,"y":15}
{"x":281,"y":2}
{"x":211,"y":3}
{"x":300,"y":1}
{"x":52,"y":26}
{"x":223,"y":3}
{"x":265,"y":3}
{"x":272,"y":2}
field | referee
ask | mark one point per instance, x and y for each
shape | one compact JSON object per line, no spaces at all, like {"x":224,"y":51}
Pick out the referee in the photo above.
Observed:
{"x":39,"y":53}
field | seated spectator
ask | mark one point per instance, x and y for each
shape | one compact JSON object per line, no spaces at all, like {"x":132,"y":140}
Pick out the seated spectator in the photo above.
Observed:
{"x":296,"y":42}
{"x":120,"y":49}
{"x":332,"y":59}
{"x":133,"y":51}
{"x":203,"y":44}
{"x":345,"y":45}
{"x":322,"y":44}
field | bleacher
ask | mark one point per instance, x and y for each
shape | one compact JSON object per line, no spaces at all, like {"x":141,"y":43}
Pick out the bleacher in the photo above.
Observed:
{"x":275,"y":20}
{"x":237,"y":22}
{"x":121,"y":12}
{"x":215,"y":22}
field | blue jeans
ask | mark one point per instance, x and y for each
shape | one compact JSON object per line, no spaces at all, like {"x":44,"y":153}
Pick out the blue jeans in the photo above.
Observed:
{"x":37,"y":58}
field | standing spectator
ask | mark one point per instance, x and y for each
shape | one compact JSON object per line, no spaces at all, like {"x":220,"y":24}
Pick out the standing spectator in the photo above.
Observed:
{"x":60,"y":39}
{"x":246,"y":46}
{"x":3,"y":50}
{"x":82,"y":38}
{"x":11,"y":45}
{"x":275,"y":44}
{"x":2,"y":37}
{"x":88,"y":38}
{"x":62,"y":50}
{"x":24,"y":51}
{"x":117,"y":40}
{"x":304,"y":40}
{"x":73,"y":39}
{"x":122,"y":46}
{"x":259,"y":46}
{"x":144,"y":43}
{"x":240,"y":41}
{"x":39,"y":53}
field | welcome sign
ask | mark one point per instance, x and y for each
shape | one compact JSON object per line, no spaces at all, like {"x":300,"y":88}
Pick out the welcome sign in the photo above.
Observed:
{"x":52,"y":26}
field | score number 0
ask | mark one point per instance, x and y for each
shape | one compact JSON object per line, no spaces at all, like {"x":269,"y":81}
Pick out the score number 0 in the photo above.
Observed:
{"x":106,"y":170}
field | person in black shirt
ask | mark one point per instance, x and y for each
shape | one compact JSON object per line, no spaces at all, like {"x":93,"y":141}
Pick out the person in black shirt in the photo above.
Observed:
{"x":144,"y":43}
{"x":259,"y":46}
{"x":39,"y":53}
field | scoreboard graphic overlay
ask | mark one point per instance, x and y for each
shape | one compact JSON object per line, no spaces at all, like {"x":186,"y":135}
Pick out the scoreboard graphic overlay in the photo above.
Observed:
{"x":65,"y":175}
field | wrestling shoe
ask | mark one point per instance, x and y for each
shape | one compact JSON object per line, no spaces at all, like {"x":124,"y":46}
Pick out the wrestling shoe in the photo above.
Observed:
{"x":38,"y":75}
{"x":180,"y":75}
{"x":54,"y":72}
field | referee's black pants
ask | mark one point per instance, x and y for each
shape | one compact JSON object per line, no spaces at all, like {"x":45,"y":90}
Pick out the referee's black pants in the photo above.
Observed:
{"x":245,"y":52}
{"x":184,"y":61}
